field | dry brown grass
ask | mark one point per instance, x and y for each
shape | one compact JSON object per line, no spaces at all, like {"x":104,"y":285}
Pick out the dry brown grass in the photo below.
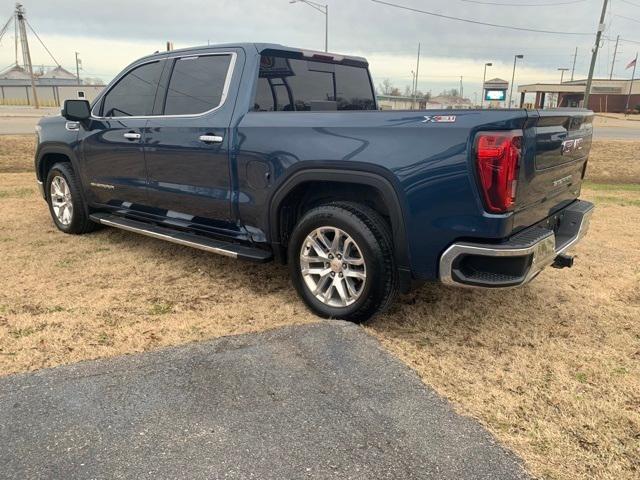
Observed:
{"x":552,"y":369}
{"x":16,"y":153}
{"x":615,"y":161}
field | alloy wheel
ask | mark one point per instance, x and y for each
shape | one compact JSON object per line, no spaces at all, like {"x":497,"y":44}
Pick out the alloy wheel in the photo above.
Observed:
{"x":61,"y":200}
{"x":332,"y":266}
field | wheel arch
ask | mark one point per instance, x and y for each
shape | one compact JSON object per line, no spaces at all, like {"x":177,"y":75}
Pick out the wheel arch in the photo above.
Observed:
{"x":377,"y":181}
{"x":48,"y":154}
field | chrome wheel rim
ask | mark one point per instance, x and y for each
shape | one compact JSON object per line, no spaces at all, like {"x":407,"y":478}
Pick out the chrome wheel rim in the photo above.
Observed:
{"x":61,"y":201}
{"x":333,"y":267}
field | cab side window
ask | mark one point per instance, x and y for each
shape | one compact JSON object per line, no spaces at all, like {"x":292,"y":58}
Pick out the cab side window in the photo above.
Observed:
{"x":197,"y":84}
{"x":289,"y":84}
{"x":134,"y":93}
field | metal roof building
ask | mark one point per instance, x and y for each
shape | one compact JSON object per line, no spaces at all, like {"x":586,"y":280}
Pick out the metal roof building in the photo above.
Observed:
{"x":18,"y":76}
{"x":15,"y":76}
{"x":57,"y":76}
{"x":606,"y":95}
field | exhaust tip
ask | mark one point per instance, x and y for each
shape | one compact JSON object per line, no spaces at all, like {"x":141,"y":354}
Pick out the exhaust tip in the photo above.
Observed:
{"x":563,"y":261}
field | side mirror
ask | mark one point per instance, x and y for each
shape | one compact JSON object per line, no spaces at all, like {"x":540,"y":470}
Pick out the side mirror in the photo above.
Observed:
{"x":76,"y":110}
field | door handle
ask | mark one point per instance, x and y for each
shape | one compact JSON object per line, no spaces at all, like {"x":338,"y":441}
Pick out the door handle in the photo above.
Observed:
{"x":132,"y":136}
{"x":210,"y":138}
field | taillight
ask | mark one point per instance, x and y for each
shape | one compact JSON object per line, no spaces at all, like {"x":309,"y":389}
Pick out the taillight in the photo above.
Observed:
{"x":497,"y":159}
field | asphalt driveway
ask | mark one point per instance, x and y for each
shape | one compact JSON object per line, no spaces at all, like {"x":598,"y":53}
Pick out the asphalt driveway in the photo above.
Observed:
{"x":314,"y":401}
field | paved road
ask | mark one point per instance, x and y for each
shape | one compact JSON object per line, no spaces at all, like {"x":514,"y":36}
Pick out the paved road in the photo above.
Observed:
{"x":22,"y":120}
{"x":616,"y":133}
{"x":18,"y":125}
{"x":314,"y":401}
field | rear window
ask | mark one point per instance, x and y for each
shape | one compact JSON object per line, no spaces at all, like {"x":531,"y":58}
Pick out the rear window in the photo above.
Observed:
{"x":197,"y":84}
{"x":286,"y":84}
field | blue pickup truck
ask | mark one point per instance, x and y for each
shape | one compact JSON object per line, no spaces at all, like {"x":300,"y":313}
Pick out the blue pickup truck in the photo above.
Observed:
{"x":264,"y":152}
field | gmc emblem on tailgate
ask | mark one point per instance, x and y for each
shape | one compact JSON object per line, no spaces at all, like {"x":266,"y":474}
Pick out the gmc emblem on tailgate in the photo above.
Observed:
{"x":569,"y":146}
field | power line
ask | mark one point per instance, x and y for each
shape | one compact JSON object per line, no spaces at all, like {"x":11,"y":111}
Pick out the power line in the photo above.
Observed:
{"x":627,"y":18}
{"x":630,"y":3}
{"x":629,"y":41}
{"x":8,"y":67}
{"x":475,"y":22}
{"x":41,"y":42}
{"x":524,"y":4}
{"x":6,"y":26}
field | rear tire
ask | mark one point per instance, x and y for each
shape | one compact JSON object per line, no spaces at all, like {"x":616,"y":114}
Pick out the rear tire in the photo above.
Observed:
{"x":66,"y":204}
{"x":351,"y":278}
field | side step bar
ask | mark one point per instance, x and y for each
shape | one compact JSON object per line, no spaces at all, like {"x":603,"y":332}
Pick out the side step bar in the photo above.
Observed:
{"x":193,"y":240}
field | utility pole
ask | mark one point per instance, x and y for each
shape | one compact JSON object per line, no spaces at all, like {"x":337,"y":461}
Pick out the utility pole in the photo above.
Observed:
{"x":461,"y":88}
{"x":573,"y":69}
{"x":484,"y":79}
{"x":324,"y":9}
{"x":15,"y":27}
{"x":562,"y":70}
{"x":26,"y":55}
{"x":326,"y":28}
{"x":78,"y":62}
{"x":635,"y":64}
{"x":594,"y":55}
{"x":613,"y":63}
{"x":415,"y":88}
{"x":513,"y":76}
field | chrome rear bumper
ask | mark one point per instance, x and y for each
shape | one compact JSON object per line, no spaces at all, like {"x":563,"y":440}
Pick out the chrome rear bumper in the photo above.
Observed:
{"x":519,"y":259}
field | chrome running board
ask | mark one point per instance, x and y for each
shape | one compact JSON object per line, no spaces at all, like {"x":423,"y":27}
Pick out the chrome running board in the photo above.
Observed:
{"x":187,"y":239}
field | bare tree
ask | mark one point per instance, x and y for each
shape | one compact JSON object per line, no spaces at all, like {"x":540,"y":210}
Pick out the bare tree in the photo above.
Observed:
{"x":92,"y":81}
{"x":450,"y":93}
{"x":386,"y":86}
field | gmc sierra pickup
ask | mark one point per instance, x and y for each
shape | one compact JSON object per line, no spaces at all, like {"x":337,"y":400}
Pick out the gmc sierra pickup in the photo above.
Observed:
{"x":261,"y":152}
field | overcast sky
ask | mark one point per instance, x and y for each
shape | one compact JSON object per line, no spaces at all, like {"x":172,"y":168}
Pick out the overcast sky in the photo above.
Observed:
{"x":111,"y":34}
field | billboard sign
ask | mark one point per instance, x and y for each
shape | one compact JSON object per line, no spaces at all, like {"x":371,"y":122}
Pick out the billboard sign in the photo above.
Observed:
{"x":495,"y":95}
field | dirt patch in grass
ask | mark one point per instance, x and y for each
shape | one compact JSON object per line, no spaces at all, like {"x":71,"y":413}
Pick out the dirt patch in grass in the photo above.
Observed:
{"x":614,"y":162}
{"x":16,"y":153}
{"x":552,"y":369}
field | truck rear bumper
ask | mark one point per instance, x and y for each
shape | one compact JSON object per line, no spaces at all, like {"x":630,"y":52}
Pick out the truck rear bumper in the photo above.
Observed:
{"x":519,"y":259}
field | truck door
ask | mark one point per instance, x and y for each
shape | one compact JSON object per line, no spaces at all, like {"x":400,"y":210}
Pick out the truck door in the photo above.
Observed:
{"x":111,"y":142}
{"x":187,"y":144}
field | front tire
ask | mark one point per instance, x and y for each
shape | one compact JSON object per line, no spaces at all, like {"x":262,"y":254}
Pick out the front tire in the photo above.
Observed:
{"x":66,"y":204}
{"x":341,"y":261}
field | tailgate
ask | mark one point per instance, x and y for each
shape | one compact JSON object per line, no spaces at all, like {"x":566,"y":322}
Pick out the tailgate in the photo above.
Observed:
{"x":556,"y":146}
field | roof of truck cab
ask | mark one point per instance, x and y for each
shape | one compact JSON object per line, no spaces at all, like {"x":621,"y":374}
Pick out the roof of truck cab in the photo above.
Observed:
{"x":261,"y":47}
